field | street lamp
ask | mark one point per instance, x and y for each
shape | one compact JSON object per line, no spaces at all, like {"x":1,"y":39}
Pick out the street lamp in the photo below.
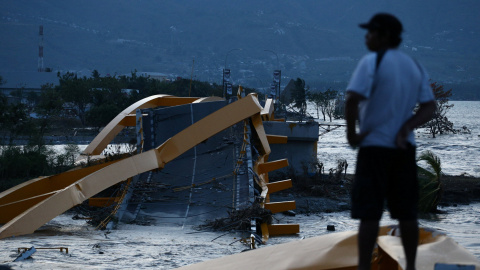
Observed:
{"x":225,"y":68}
{"x":278,"y":73}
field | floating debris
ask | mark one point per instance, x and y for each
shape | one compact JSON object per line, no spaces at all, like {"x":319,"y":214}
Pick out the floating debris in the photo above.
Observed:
{"x":26,"y":254}
{"x":239,"y":219}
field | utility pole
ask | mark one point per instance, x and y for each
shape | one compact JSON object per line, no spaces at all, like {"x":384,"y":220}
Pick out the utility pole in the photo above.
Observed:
{"x":40,"y":49}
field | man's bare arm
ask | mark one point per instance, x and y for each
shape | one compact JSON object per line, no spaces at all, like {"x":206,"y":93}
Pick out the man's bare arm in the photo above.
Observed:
{"x":422,"y":116}
{"x":351,"y":115}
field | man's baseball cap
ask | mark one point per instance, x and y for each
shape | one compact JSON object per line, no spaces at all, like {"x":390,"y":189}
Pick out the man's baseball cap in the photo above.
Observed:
{"x":385,"y":22}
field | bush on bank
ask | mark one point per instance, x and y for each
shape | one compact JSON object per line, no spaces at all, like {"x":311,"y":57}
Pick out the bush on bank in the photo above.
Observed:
{"x":21,"y":163}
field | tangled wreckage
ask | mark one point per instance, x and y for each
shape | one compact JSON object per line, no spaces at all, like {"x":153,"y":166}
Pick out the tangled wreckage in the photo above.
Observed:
{"x":28,"y":206}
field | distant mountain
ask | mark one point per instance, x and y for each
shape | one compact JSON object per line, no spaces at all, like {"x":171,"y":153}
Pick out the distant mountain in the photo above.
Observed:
{"x":318,"y":41}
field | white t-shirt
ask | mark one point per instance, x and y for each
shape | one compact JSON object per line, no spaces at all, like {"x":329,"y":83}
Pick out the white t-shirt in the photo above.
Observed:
{"x":398,"y":85}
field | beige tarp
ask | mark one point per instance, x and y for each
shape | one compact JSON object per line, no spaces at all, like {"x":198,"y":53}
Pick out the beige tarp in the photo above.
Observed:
{"x":339,"y":251}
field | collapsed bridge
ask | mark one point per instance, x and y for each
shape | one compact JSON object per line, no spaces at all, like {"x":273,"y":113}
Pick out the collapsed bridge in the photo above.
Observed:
{"x":186,"y":148}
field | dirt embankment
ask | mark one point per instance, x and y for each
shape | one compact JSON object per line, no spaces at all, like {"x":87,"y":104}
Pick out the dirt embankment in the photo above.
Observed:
{"x":460,"y":190}
{"x":334,"y":196}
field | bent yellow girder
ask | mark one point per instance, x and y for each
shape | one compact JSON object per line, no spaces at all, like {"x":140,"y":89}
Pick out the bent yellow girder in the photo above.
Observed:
{"x":120,"y":121}
{"x":262,"y":167}
{"x":18,"y":199}
{"x":95,"y":179}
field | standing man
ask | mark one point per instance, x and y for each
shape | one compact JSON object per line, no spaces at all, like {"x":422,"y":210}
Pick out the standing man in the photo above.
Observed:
{"x":382,"y":94}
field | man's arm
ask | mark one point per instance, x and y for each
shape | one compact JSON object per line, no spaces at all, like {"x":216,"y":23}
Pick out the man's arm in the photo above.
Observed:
{"x":351,"y":115}
{"x":422,"y":116}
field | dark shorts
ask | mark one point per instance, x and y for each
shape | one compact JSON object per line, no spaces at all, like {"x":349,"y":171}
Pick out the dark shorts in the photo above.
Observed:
{"x":385,"y":174}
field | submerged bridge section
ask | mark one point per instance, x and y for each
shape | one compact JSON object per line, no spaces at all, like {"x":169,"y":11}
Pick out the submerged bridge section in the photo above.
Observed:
{"x":202,"y":183}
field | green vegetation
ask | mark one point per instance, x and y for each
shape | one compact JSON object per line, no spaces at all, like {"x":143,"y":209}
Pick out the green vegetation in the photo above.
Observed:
{"x":299,"y":96}
{"x":14,"y":120}
{"x":86,"y":102}
{"x":430,"y":184}
{"x":97,"y":100}
{"x":20,"y":163}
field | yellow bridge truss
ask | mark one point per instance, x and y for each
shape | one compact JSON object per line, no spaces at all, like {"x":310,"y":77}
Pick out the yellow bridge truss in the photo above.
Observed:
{"x":28,"y":206}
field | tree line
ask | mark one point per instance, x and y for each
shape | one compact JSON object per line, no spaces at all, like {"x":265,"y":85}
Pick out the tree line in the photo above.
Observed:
{"x":330,"y":103}
{"x":87,"y":101}
{"x":94,"y":101}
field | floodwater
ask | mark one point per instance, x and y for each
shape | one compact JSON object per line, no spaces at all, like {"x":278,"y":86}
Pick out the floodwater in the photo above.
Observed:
{"x":459,"y":153}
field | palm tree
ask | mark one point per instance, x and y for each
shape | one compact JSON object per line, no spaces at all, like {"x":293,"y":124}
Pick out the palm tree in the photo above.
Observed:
{"x":430,"y":185}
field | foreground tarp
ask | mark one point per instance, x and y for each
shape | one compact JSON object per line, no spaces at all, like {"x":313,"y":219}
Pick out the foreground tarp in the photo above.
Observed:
{"x":339,"y":251}
{"x":434,"y":248}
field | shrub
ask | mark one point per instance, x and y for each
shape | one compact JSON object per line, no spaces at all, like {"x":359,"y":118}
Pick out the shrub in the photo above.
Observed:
{"x":430,"y":185}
